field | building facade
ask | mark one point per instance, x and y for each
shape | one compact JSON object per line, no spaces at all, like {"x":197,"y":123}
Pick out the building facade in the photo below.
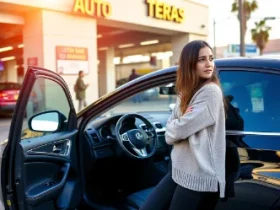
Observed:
{"x":105,"y":38}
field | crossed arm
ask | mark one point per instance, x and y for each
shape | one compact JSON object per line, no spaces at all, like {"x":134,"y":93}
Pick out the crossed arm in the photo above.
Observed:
{"x":198,"y":116}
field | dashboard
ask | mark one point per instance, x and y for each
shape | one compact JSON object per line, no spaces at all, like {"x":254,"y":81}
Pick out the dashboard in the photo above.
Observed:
{"x":101,"y":132}
{"x":108,"y":132}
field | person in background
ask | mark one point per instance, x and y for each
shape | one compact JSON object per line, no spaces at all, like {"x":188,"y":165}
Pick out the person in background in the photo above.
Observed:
{"x":80,"y":89}
{"x":133,"y":75}
{"x":137,"y":97}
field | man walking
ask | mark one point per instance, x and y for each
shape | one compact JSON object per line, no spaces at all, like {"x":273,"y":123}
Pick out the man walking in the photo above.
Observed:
{"x":133,"y":75}
{"x":80,"y":89}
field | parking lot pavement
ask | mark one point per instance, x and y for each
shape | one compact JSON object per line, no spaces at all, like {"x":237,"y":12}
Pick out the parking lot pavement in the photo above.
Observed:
{"x":5,"y":123}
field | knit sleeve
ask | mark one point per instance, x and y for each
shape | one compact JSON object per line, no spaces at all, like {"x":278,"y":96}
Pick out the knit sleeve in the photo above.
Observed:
{"x":204,"y":109}
{"x":172,"y":116}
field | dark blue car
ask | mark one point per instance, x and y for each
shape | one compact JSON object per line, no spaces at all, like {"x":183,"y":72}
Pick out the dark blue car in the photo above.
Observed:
{"x":113,"y":153}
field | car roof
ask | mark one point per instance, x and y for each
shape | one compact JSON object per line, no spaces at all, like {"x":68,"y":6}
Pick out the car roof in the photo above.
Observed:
{"x":258,"y":62}
{"x":237,"y":62}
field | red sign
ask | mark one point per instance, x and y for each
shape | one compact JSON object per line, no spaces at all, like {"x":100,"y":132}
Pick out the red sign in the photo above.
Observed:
{"x":70,"y":60}
{"x":71,"y":53}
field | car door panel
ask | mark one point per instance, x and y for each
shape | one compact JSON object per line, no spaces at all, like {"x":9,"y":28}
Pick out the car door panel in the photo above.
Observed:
{"x":46,"y":166}
{"x":48,"y":146}
{"x":251,"y":195}
{"x":252,"y":160}
{"x":44,"y":160}
{"x":47,"y":162}
{"x":44,"y":185}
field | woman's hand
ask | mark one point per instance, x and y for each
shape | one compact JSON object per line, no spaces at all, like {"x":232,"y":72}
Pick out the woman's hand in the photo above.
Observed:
{"x":189,"y":109}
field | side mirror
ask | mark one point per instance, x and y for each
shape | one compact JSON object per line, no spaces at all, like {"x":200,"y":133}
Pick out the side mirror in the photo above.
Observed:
{"x":48,"y":121}
{"x":167,"y":90}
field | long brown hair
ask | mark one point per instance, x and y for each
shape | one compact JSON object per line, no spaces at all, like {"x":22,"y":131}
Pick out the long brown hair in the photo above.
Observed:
{"x":188,"y":82}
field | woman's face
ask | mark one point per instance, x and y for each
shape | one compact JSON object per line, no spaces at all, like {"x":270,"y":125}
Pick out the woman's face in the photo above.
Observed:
{"x":205,"y":63}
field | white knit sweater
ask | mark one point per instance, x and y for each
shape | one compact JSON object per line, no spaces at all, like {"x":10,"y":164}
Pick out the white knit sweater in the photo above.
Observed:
{"x":198,"y":139}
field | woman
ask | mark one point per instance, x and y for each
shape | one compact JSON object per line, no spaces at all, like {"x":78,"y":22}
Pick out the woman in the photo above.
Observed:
{"x":196,"y":129}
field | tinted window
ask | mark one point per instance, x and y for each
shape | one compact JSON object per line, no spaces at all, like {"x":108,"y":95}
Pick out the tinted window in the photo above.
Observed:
{"x":254,"y":100}
{"x":9,"y":86}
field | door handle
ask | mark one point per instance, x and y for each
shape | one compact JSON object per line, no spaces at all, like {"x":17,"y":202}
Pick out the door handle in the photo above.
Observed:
{"x":57,"y":149}
{"x":61,"y":147}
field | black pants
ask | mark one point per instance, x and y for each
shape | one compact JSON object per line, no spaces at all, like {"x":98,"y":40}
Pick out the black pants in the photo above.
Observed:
{"x":169,"y":195}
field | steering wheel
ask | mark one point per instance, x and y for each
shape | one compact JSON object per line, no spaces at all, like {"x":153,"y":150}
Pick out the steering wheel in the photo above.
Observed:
{"x":137,"y":143}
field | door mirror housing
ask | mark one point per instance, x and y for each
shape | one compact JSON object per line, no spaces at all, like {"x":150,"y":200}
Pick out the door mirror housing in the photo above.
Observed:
{"x":49,"y":121}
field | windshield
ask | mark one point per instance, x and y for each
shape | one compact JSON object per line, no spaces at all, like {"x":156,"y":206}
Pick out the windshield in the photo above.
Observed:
{"x":146,"y":101}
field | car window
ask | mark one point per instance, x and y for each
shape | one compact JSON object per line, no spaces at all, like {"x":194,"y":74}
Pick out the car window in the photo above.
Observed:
{"x":254,"y":100}
{"x":145,"y":101}
{"x":46,"y":95}
{"x":9,"y":86}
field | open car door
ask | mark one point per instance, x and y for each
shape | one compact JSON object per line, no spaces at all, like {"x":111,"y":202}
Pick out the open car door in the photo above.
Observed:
{"x":39,"y":170}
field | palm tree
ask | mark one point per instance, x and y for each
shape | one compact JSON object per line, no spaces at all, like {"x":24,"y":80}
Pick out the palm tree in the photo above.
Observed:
{"x":260,"y":34}
{"x":248,"y":8}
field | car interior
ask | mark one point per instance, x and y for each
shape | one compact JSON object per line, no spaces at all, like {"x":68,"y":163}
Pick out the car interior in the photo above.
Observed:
{"x":126,"y":180}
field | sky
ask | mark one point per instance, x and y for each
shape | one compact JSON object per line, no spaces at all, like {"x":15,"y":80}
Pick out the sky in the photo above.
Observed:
{"x":227,"y":25}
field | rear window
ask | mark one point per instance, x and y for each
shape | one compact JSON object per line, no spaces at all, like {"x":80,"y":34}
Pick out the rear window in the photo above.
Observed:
{"x":254,"y":100}
{"x":9,"y":86}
